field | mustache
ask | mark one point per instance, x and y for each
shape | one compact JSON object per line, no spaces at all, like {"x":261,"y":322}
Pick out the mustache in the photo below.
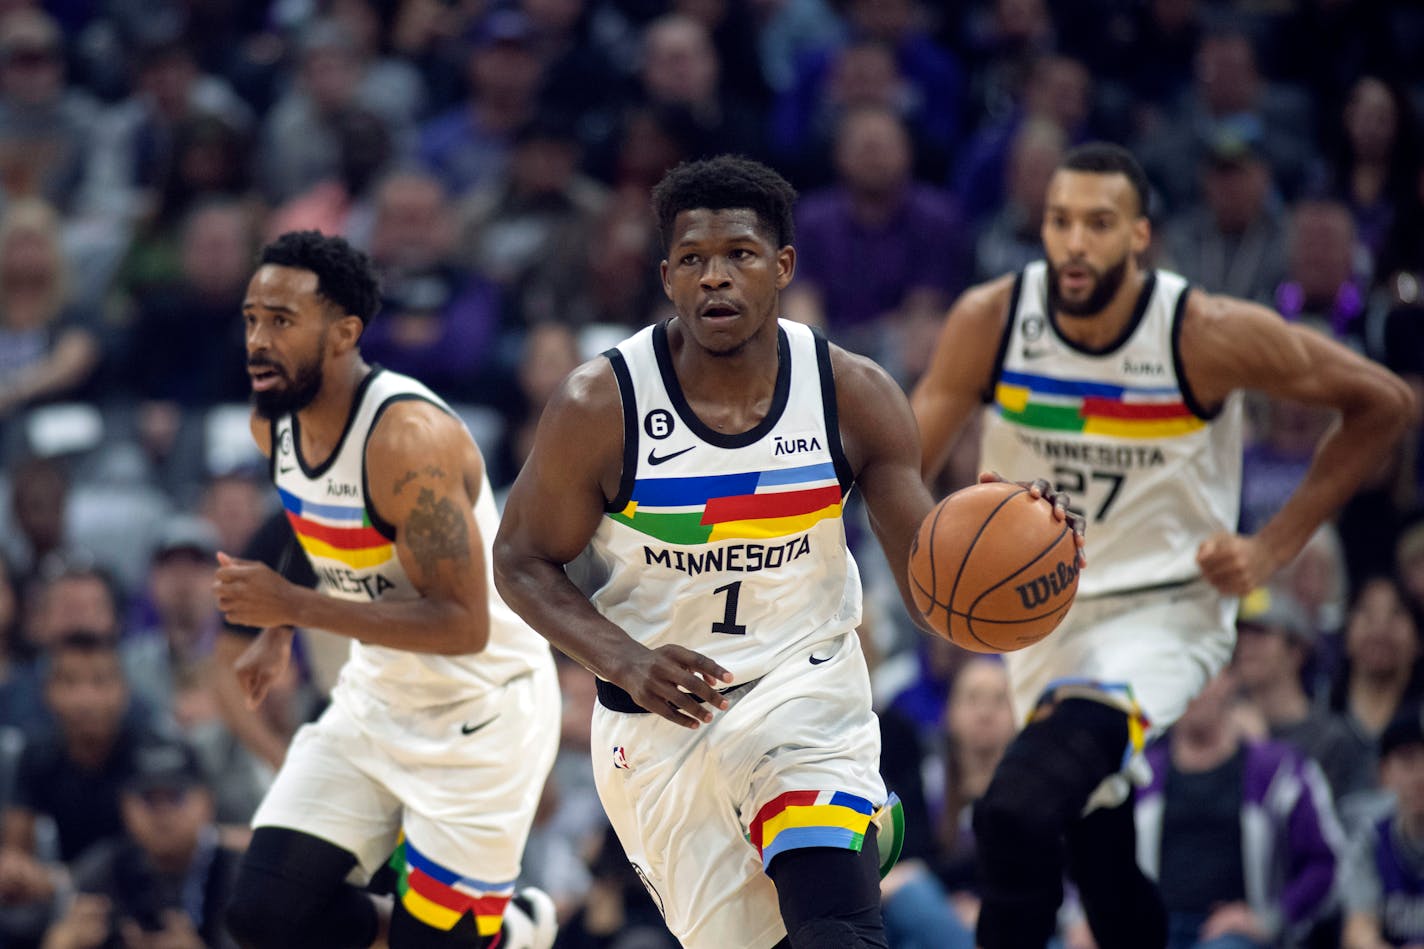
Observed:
{"x":257,"y":362}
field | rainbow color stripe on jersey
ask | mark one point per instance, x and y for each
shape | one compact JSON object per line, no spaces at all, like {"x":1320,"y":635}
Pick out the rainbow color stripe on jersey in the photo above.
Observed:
{"x":1094,"y":408}
{"x":439,"y":897}
{"x":752,"y":505}
{"x":337,"y":532}
{"x":810,"y":819}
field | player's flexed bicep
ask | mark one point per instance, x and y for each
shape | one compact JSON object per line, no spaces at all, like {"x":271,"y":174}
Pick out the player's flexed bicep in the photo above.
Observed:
{"x":1228,"y":344}
{"x":882,"y":445}
{"x":423,"y":475}
{"x":551,"y":514}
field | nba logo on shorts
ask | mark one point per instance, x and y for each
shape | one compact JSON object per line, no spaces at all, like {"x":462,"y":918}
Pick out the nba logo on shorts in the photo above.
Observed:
{"x":620,"y":761}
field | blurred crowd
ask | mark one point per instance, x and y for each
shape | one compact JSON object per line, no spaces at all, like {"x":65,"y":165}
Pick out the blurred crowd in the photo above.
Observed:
{"x":494,"y":158}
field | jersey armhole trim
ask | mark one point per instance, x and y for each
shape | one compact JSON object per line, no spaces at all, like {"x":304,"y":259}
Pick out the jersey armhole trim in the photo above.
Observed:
{"x":987,"y":396}
{"x":384,"y":527}
{"x":1189,"y":399}
{"x":272,"y":439}
{"x":630,"y":433}
{"x":844,"y":474}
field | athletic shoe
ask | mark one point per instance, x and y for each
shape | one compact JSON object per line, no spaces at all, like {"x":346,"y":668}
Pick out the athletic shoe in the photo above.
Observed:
{"x":530,"y":921}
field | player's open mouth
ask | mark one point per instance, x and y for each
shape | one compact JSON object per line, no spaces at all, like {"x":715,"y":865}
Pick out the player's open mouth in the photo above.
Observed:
{"x":718,"y":311}
{"x":1075,"y":277}
{"x":263,"y":378}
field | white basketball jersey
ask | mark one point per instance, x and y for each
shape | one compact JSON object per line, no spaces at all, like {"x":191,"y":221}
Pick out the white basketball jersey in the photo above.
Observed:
{"x":1119,"y":430}
{"x":730,"y":545}
{"x":353,"y":553}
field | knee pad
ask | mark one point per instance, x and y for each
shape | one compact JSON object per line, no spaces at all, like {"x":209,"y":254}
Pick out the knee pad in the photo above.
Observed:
{"x":831,"y":897}
{"x":291,"y":893}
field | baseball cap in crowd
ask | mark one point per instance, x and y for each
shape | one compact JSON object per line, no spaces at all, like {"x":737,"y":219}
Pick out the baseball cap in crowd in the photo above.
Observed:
{"x":1234,"y":142}
{"x":164,"y":764}
{"x":1405,"y":730}
{"x":186,"y":534}
{"x":1269,"y":608}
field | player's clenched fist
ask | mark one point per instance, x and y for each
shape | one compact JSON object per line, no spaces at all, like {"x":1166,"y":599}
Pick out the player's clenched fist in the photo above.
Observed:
{"x":252,"y":594}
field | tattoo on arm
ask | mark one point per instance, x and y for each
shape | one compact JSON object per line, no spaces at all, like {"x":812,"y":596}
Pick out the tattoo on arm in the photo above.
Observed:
{"x":436,"y":531}
{"x":411,"y":475}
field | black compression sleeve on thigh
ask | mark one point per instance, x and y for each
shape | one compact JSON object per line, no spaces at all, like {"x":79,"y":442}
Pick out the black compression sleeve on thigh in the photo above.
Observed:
{"x":831,"y":897}
{"x":291,"y":893}
{"x":1037,"y":793}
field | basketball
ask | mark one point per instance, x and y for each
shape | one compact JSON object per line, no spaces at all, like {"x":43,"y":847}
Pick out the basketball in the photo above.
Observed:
{"x":992,"y":570}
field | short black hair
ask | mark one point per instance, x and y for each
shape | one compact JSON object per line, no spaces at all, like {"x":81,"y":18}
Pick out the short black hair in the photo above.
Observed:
{"x":344,"y":275}
{"x":724,"y":183}
{"x":1105,"y":158}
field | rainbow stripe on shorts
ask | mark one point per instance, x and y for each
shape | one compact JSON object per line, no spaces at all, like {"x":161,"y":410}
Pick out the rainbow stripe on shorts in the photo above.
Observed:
{"x":810,"y":819}
{"x":439,"y":898}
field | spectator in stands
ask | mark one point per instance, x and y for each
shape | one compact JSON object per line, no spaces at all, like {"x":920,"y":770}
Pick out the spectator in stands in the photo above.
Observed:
{"x":682,"y":73}
{"x":581,"y":80}
{"x":136,"y":142}
{"x":344,"y":202}
{"x":21,"y":705}
{"x":47,"y":351}
{"x":1056,"y":89}
{"x":235,"y":503}
{"x":1010,"y":239}
{"x":1240,"y":835}
{"x":1273,"y":647}
{"x":1380,"y":673}
{"x":878,"y":249}
{"x":470,"y":145}
{"x":530,"y":229}
{"x":72,"y":774}
{"x":1377,"y":157}
{"x":180,"y":586}
{"x":299,"y":145}
{"x":1277,"y":459}
{"x":1382,"y":880}
{"x":1229,"y":93}
{"x":389,"y":87}
{"x":1324,"y":285}
{"x":163,"y":882}
{"x":70,"y":593}
{"x":887,"y":51}
{"x":1235,"y":242}
{"x":45,"y":127}
{"x":39,"y":500}
{"x":438,"y":321}
{"x":550,"y":352}
{"x":185,"y":345}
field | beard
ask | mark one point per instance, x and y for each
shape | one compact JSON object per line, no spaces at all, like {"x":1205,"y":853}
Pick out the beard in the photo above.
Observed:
{"x":299,"y":391}
{"x":1105,"y":287}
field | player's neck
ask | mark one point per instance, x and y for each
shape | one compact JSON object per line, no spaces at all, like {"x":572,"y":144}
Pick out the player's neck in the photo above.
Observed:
{"x":1104,"y":327}
{"x":728,"y":389}
{"x":323,"y":421}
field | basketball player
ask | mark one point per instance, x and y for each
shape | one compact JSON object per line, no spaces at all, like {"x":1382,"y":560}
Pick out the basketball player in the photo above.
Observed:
{"x":700,"y":468}
{"x":444,"y":723}
{"x":1125,"y":383}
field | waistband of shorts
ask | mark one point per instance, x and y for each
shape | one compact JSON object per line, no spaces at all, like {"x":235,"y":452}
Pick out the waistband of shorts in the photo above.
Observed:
{"x":616,"y":699}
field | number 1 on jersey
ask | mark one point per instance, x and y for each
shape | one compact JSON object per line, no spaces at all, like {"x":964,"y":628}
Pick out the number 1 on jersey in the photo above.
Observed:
{"x":728,"y":623}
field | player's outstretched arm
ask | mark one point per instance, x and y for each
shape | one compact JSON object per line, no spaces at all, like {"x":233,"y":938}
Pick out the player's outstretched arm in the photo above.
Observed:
{"x":423,"y":474}
{"x":961,"y":369}
{"x":882,"y":445}
{"x":552,"y":512}
{"x":1229,"y":344}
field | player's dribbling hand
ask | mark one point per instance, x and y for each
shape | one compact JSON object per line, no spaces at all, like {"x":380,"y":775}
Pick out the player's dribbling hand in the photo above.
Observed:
{"x":1041,"y":488}
{"x":251,"y":593}
{"x":674,"y":682}
{"x":1233,"y":564}
{"x":263,"y":662}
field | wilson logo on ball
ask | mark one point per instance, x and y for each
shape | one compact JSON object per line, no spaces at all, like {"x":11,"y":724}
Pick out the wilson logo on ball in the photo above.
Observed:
{"x":1043,"y":588}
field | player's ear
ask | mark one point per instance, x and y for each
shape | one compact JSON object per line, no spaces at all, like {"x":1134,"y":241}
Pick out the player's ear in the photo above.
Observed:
{"x":663,"y":272}
{"x":785,"y":266}
{"x":346,"y":333}
{"x":1141,"y":235}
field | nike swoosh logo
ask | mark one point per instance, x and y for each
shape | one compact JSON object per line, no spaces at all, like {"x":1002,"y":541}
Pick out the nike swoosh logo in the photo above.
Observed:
{"x":817,"y":662}
{"x":655,"y":459}
{"x":468,"y":729}
{"x":281,"y":470}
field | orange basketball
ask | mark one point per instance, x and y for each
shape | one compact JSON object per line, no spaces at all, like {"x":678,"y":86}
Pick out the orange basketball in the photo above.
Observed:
{"x":992,"y":570}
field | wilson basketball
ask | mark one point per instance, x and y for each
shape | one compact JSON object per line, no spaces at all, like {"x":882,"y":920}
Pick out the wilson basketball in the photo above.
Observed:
{"x":992,"y":570}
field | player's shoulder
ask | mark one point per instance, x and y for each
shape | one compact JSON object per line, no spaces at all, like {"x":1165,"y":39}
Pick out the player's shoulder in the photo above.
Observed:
{"x":856,"y":375}
{"x":1216,"y":320}
{"x":988,"y":300}
{"x":416,"y":427}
